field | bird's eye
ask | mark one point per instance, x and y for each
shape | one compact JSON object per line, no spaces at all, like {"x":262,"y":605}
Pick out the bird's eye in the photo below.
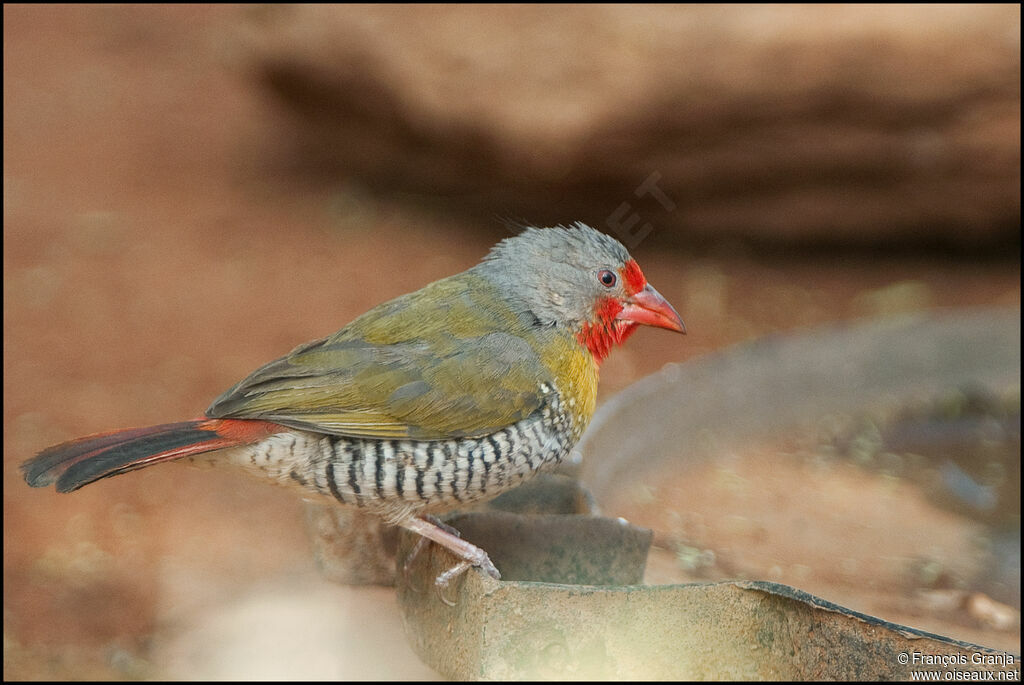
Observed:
{"x":606,"y":277}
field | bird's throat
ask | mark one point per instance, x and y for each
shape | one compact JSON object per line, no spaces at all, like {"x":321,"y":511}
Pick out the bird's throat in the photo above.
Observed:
{"x":606,"y":332}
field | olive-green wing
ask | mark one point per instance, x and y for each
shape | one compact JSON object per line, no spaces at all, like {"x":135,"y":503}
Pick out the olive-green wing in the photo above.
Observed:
{"x":446,"y":361}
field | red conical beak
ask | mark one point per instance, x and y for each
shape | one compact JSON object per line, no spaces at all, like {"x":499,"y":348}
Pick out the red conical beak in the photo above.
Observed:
{"x":648,"y":307}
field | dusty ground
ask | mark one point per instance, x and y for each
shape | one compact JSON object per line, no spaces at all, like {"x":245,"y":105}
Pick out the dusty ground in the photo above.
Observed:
{"x":150,"y":261}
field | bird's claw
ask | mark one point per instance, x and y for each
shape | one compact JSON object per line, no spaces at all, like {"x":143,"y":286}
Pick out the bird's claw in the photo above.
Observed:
{"x":487,"y":567}
{"x":442,"y":582}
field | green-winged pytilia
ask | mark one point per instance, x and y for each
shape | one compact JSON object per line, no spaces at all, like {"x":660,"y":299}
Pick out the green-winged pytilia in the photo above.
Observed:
{"x":448,"y":395}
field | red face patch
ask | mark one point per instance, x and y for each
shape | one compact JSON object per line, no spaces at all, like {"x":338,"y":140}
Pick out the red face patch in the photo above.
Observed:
{"x":606,"y":332}
{"x":633,"y":277}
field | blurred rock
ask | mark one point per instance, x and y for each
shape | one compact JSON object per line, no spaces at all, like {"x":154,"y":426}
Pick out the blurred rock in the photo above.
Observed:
{"x":991,"y":613}
{"x":350,"y":546}
{"x":827,"y":125}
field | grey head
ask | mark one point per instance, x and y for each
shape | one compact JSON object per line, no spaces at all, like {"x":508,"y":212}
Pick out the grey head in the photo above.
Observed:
{"x":557,"y":274}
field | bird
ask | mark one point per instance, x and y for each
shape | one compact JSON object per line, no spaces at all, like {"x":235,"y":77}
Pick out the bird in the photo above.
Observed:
{"x":437,"y":399}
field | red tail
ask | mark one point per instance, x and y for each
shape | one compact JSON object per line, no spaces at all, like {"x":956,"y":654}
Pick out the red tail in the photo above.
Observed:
{"x":80,"y":462}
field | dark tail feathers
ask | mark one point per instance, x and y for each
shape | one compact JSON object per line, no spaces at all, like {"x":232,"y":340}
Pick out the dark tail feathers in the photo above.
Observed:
{"x":79,"y":462}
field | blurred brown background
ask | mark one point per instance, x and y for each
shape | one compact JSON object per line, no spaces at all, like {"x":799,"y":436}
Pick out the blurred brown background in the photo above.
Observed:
{"x":192,"y":191}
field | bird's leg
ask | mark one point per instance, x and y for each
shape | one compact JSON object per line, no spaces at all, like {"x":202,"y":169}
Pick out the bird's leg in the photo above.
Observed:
{"x":442,"y":581}
{"x":470,"y":554}
{"x":441,"y":524}
{"x":421,"y":543}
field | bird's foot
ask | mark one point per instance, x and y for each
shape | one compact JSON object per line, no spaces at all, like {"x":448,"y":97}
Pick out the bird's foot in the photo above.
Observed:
{"x":448,"y":537}
{"x":442,"y":581}
{"x":423,"y":542}
{"x":482,"y":562}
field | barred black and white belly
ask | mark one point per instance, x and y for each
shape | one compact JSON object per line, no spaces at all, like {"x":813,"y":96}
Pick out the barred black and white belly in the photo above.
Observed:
{"x":398,"y":478}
